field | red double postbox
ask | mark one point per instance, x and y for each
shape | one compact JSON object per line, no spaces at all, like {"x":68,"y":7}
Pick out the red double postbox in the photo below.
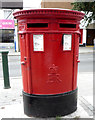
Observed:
{"x":49,"y":44}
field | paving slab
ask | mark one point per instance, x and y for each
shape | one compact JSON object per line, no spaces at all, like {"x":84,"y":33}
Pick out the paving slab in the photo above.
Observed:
{"x":16,"y":111}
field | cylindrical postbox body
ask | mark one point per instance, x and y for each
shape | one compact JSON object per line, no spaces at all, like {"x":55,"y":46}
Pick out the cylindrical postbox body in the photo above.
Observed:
{"x":49,"y":44}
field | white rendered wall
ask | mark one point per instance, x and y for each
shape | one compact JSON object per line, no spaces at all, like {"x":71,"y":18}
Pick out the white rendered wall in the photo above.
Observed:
{"x":83,"y":26}
{"x":1,"y":14}
{"x":28,"y":4}
{"x":84,"y":35}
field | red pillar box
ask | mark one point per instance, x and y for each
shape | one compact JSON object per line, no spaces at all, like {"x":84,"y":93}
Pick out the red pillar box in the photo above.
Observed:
{"x":49,"y":43}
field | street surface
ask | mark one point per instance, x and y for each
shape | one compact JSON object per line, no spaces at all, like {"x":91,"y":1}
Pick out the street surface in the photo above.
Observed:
{"x":86,"y":62}
{"x":85,"y":65}
{"x":14,"y":66}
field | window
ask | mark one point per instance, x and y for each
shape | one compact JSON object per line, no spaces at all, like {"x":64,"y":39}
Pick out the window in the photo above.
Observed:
{"x":7,"y":36}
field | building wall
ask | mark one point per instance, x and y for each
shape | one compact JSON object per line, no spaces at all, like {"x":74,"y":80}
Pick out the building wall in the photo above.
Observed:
{"x":28,"y":4}
{"x":7,"y":14}
{"x":1,"y":14}
{"x":84,"y":36}
{"x":11,"y":4}
{"x":64,"y":5}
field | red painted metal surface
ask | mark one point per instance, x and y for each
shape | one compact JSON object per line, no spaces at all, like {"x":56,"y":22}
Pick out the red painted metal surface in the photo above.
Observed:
{"x":81,"y":37}
{"x":53,"y":70}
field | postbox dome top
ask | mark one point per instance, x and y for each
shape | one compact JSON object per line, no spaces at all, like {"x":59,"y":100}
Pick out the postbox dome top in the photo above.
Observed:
{"x":49,"y":13}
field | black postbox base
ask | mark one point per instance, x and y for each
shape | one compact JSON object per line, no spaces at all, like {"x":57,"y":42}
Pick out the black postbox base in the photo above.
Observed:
{"x":50,"y":105}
